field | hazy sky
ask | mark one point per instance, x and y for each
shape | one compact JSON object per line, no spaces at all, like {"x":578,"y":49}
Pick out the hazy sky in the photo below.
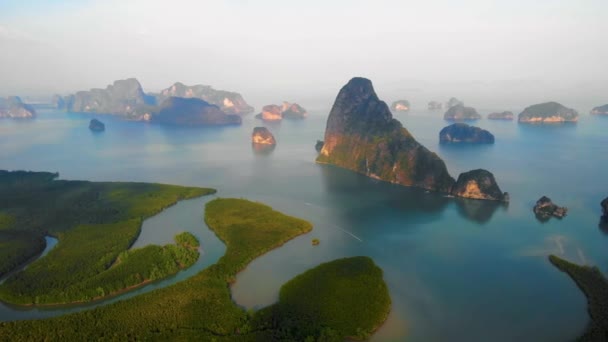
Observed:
{"x":261,"y":46}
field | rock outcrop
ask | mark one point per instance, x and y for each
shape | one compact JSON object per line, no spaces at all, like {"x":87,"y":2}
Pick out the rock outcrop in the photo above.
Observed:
{"x":285,"y":111}
{"x":192,"y":112}
{"x":545,"y":209}
{"x":463,"y":133}
{"x":459,"y":112}
{"x":13,"y":108}
{"x":501,"y":116}
{"x":319,"y":145}
{"x":478,"y":184}
{"x":262,"y":136}
{"x":124,"y":97}
{"x":229,"y":102}
{"x":549,"y":112}
{"x":434,"y":105}
{"x":361,"y":135}
{"x":601,"y":110}
{"x":454,"y":102}
{"x":400,"y":106}
{"x":97,"y":126}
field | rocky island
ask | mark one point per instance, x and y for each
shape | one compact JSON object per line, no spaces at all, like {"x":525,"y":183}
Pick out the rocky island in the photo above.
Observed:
{"x":192,"y":112}
{"x":401,"y":106}
{"x":545,"y":209}
{"x":435,"y":105}
{"x":229,"y":102}
{"x":123,"y":97}
{"x":285,"y":111}
{"x":362,"y":136}
{"x":454,"y":102}
{"x":549,"y":112}
{"x":262,"y":136}
{"x":478,"y":184}
{"x":459,"y":112}
{"x":13,"y":108}
{"x":501,"y":116}
{"x":463,"y":133}
{"x":319,"y":145}
{"x":97,"y":126}
{"x":604,"y":205}
{"x":601,"y":110}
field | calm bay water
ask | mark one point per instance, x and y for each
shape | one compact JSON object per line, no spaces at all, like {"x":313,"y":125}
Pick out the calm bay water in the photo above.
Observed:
{"x":456,"y":269}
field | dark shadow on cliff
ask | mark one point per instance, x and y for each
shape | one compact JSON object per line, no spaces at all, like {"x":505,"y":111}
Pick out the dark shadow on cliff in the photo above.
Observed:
{"x":479,"y":211}
{"x":603,"y":225}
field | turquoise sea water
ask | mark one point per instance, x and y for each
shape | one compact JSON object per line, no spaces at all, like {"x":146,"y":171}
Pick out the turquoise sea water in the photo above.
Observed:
{"x":457,"y":269}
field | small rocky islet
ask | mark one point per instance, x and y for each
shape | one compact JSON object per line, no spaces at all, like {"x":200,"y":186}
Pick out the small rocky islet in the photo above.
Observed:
{"x":464,"y":133}
{"x":401,"y":106}
{"x":506,"y":115}
{"x":548,"y":112}
{"x":262,"y":136}
{"x":286,"y":110}
{"x":545,"y":209}
{"x":459,"y":112}
{"x":97,"y":126}
{"x":601,"y":110}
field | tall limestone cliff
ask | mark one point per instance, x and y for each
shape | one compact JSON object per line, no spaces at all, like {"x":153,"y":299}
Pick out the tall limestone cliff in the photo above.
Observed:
{"x":362,"y":136}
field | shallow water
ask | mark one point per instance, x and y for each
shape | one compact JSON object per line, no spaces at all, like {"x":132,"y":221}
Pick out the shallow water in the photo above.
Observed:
{"x":456,"y":269}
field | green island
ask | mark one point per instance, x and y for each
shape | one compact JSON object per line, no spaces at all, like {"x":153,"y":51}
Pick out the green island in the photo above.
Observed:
{"x":595,"y":287}
{"x":349,"y":299}
{"x":95,"y":224}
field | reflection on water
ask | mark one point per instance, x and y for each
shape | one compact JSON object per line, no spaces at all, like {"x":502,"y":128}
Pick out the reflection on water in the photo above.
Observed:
{"x":477,"y":210}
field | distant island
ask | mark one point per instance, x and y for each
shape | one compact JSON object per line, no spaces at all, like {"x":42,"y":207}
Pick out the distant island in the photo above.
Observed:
{"x":501,"y":116}
{"x":127,"y":99}
{"x":96,"y":126}
{"x":601,"y":110}
{"x":548,"y":112}
{"x":192,"y":112}
{"x":454,"y":102}
{"x":478,"y":184}
{"x":285,"y":111}
{"x":463,"y":133}
{"x":229,"y":102}
{"x":545,"y":209}
{"x":459,"y":112}
{"x":13,"y":108}
{"x":435,"y":105}
{"x":401,"y":106}
{"x":363,"y":136}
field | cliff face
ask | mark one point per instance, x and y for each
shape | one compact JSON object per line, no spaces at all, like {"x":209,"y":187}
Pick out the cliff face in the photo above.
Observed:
{"x":229,"y":102}
{"x":192,"y":112}
{"x":123,"y":97}
{"x":285,"y":111}
{"x":478,"y":184}
{"x":12,"y":107}
{"x":463,"y":133}
{"x":460,"y":112}
{"x":362,"y":136}
{"x":601,"y":110}
{"x":549,"y":112}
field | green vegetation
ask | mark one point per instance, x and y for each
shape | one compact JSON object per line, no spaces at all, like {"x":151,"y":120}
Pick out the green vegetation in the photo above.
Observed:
{"x":344,"y":298}
{"x":201,"y":307}
{"x":94,"y":223}
{"x":595,"y":286}
{"x":315,"y":242}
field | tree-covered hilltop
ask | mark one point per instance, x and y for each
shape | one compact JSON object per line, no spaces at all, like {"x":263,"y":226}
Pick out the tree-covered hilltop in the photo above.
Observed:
{"x":548,"y":112}
{"x":94,"y":222}
{"x":595,"y":287}
{"x":201,"y":307}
